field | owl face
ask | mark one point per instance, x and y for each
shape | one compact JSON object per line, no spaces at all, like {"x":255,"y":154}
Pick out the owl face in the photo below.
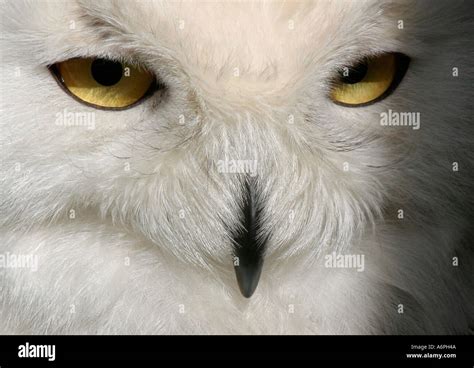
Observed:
{"x":219,"y":132}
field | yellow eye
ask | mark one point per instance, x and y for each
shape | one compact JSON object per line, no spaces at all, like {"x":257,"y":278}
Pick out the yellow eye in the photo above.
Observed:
{"x":104,"y":83}
{"x":370,"y":80}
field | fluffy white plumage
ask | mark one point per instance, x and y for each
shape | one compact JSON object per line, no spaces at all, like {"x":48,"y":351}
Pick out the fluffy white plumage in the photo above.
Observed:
{"x":149,"y":248}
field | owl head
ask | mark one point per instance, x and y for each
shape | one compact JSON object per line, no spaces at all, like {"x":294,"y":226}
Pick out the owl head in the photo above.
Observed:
{"x":236,"y":135}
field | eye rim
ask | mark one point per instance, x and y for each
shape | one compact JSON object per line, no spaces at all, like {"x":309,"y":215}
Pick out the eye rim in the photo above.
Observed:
{"x":155,"y":86}
{"x":402,"y":62}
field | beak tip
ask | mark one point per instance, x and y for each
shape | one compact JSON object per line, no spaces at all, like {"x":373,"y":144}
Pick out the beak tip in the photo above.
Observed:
{"x":247,"y":279}
{"x":247,"y":293}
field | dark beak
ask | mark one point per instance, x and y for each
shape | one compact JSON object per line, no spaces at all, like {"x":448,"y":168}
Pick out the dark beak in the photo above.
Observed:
{"x":249,"y":249}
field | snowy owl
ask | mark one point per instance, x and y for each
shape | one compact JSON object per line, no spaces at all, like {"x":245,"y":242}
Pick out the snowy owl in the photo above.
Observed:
{"x":267,"y":167}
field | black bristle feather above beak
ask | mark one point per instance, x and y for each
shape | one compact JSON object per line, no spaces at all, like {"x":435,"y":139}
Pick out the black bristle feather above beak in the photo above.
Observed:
{"x":249,"y":249}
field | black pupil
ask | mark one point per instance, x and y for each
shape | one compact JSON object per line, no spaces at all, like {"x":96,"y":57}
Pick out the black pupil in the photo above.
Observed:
{"x":354,"y":74}
{"x":106,"y":72}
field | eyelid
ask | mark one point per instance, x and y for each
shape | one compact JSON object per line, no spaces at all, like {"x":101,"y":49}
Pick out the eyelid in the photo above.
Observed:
{"x":359,"y":59}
